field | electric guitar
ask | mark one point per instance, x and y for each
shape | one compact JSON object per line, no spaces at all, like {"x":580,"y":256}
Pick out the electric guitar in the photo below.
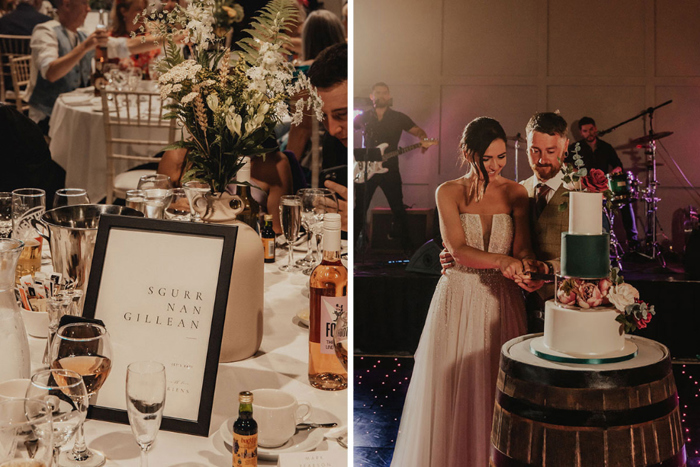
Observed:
{"x":378,"y":167}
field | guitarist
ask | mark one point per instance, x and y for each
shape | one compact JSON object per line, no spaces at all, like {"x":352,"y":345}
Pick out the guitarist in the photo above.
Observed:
{"x":382,"y":124}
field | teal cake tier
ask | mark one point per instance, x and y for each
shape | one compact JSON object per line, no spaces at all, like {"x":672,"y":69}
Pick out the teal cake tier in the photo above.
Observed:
{"x":585,"y":256}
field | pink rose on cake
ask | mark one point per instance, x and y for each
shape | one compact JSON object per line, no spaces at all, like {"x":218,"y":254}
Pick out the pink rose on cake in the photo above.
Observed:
{"x":604,"y":287}
{"x":595,"y":182}
{"x":589,"y":296}
{"x":566,"y":298}
{"x":622,"y":295}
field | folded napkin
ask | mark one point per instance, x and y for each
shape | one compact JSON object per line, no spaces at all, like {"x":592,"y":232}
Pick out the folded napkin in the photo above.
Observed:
{"x":77,"y":99}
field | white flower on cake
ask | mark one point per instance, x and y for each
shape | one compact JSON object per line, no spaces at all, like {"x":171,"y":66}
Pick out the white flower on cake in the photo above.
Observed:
{"x":623,"y":295}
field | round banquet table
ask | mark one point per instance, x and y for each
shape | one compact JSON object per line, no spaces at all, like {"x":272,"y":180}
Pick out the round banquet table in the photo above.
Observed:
{"x":77,"y":135}
{"x":280,"y":363}
{"x":553,"y":414}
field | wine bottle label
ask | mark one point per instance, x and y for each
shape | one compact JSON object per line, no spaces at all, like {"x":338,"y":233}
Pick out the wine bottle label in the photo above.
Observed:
{"x":331,"y":309}
{"x":269,"y":245}
{"x":245,"y":450}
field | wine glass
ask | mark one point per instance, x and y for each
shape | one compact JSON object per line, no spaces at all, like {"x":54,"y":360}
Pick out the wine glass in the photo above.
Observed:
{"x":324,"y":201}
{"x":133,"y":77}
{"x":65,"y":394}
{"x":158,"y":193}
{"x":290,"y":214}
{"x":179,"y":208}
{"x":196,"y":195}
{"x":26,"y":433}
{"x":86,"y":349}
{"x":145,"y":398}
{"x":340,"y":339}
{"x":307,"y":221}
{"x":70,"y":197}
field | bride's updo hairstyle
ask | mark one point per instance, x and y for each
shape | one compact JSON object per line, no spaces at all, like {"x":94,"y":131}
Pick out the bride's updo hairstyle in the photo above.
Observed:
{"x":476,"y":139}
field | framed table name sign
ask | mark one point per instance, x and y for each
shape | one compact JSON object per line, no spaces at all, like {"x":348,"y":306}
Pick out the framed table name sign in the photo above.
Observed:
{"x":161,"y":288}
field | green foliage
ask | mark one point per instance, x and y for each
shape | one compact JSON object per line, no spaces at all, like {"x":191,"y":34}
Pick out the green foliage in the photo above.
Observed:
{"x":274,"y":18}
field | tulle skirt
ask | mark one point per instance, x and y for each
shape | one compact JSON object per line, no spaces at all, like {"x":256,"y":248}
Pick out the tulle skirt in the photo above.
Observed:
{"x":447,"y":416}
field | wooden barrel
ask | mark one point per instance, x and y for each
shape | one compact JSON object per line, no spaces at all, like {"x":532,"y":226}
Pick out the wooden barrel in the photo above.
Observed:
{"x":555,"y":414}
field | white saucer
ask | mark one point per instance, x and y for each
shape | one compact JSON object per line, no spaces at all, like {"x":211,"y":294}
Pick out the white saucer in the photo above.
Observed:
{"x":303,"y":441}
{"x":538,"y":348}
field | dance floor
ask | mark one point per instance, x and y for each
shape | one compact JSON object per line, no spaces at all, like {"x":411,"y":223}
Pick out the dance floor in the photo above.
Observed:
{"x":380,"y":390}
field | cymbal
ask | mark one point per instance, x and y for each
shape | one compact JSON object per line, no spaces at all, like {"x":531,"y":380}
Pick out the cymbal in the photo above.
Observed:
{"x":516,"y":138}
{"x":654,"y":136}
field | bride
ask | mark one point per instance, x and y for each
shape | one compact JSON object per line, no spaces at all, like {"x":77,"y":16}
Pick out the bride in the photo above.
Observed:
{"x":476,"y":308}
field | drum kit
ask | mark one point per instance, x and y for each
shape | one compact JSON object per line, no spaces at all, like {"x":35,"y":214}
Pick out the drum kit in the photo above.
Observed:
{"x":626,"y":187}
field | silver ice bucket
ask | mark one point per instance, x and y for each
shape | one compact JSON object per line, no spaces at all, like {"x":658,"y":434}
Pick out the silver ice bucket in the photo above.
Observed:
{"x":71,"y":232}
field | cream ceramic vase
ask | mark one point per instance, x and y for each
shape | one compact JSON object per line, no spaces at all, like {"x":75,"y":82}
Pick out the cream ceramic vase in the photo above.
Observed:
{"x":243,"y":327}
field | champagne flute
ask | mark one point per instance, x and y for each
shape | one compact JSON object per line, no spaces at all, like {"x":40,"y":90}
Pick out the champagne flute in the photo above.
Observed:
{"x":324,"y":201}
{"x":158,"y":193}
{"x":290,"y":214}
{"x":86,"y":349}
{"x":65,"y":394}
{"x":145,"y":398}
{"x":70,"y":197}
{"x":26,"y":433}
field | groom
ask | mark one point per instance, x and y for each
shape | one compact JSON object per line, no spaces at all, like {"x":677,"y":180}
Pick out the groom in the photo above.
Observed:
{"x":547,"y":143}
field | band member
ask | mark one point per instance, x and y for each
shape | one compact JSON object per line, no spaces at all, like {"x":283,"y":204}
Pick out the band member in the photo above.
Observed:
{"x":598,"y":154}
{"x":382,"y":124}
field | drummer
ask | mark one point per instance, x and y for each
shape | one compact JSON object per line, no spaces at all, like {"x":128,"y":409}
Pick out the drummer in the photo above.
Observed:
{"x":597,"y":154}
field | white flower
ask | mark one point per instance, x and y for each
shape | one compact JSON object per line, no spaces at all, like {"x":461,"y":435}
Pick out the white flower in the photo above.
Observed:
{"x":233,"y":123}
{"x":188,"y":98}
{"x":213,"y":102}
{"x":263,"y":109}
{"x":573,"y":185}
{"x":622,"y":295}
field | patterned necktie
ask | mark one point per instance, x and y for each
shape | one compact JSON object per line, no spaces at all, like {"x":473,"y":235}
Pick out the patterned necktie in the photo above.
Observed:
{"x":541,"y":198}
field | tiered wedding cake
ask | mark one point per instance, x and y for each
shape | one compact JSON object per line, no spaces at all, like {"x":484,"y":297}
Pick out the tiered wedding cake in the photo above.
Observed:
{"x":580,"y":323}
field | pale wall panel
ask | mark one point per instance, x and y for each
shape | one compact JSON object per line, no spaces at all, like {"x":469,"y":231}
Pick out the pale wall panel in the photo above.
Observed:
{"x":596,"y":38}
{"x":512,"y":106}
{"x":475,"y":29}
{"x":396,"y":40}
{"x":677,"y":38}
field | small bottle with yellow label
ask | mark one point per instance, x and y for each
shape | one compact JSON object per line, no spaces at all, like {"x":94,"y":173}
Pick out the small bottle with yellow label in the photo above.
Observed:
{"x":245,"y":433}
{"x":268,"y":239}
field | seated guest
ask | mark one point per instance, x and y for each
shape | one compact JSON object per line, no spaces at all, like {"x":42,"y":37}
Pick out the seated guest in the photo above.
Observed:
{"x":321,"y":30}
{"x":25,"y":158}
{"x":62,"y":57}
{"x":22,"y":20}
{"x":6,"y":6}
{"x":122,"y":19}
{"x":329,"y":74}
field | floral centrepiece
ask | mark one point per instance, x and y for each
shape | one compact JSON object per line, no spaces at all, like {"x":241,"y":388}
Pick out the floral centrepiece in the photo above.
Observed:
{"x":229,"y":110}
{"x":633,"y":313}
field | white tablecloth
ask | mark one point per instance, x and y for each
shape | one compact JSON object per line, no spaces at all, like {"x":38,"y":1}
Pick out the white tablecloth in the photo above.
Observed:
{"x":280,"y":363}
{"x":78,"y":144}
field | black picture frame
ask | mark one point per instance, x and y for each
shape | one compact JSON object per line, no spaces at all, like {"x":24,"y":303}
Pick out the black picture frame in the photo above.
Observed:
{"x":201,"y":426}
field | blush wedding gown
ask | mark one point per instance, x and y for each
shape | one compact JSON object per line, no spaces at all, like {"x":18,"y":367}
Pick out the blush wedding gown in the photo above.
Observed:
{"x":447,"y":415}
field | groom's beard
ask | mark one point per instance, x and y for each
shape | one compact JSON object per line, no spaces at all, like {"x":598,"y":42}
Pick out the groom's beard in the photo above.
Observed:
{"x":545,"y":171}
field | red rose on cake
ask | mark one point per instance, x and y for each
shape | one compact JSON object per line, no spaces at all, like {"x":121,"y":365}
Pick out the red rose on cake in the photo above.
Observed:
{"x":595,"y":182}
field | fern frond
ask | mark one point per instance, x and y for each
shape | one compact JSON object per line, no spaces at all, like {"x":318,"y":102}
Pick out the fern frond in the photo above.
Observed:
{"x":272,"y":21}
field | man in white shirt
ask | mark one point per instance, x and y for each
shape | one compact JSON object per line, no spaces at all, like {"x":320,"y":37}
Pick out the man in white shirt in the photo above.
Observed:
{"x":62,"y":57}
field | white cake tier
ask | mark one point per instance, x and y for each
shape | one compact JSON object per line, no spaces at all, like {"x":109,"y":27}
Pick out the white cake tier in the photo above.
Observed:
{"x":592,"y":332}
{"x":585,"y":213}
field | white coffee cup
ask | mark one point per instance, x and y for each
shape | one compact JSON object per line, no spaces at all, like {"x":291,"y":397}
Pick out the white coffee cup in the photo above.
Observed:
{"x":277,"y":414}
{"x":13,"y":389}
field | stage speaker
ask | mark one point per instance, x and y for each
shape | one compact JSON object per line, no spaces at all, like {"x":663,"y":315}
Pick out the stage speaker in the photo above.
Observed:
{"x":691,"y":259}
{"x":426,"y":259}
{"x":383,"y":237}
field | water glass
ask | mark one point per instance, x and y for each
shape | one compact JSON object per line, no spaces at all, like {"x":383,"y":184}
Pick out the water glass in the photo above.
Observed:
{"x":133,"y":77}
{"x":26,"y":433}
{"x":70,"y":197}
{"x":145,"y":399}
{"x":5,"y":214}
{"x":136,"y":199}
{"x":307,"y":220}
{"x":158,"y":194}
{"x":196,"y":196}
{"x":179,"y":208}
{"x":290,"y":214}
{"x":64,"y":393}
